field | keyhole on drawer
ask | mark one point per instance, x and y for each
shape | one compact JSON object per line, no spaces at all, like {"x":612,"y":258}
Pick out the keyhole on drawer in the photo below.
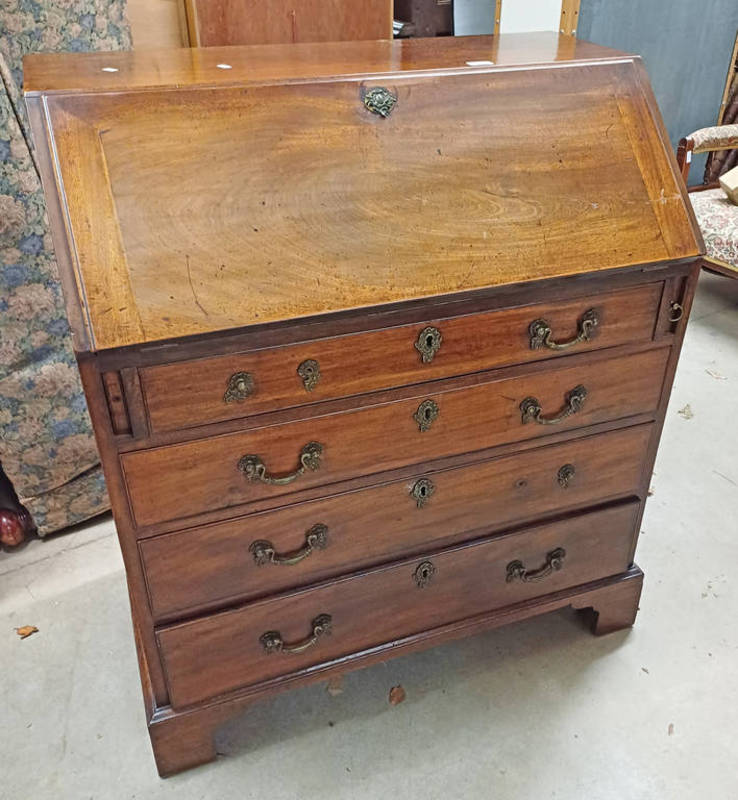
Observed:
{"x":424,"y":573}
{"x":521,"y":483}
{"x":422,"y":491}
{"x":426,"y":413}
{"x":309,"y":371}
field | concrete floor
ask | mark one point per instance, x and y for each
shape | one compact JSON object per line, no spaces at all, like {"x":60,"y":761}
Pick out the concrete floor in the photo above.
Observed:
{"x":537,"y":710}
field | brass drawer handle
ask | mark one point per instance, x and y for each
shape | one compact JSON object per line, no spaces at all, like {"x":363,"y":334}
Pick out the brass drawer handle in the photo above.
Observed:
{"x":380,"y":101}
{"x":240,"y":386}
{"x":422,"y":490}
{"x":255,"y":470}
{"x":554,"y":562}
{"x":426,"y":414}
{"x":309,"y":371}
{"x":532,"y":411}
{"x":264,"y":553}
{"x":541,"y":333}
{"x":676,"y":311}
{"x":272,"y":641}
{"x":428,"y":343}
{"x":565,"y":475}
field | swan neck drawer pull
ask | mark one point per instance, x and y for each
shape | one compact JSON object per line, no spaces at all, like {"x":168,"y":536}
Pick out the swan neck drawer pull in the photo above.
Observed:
{"x":254,"y":468}
{"x":272,"y":641}
{"x":264,"y":553}
{"x":554,"y":562}
{"x":532,"y":412}
{"x":541,"y":333}
{"x":240,"y":386}
{"x":428,"y":343}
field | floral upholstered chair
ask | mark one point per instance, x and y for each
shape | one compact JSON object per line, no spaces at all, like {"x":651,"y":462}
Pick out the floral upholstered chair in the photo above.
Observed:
{"x":47,"y":448}
{"x":716,"y":215}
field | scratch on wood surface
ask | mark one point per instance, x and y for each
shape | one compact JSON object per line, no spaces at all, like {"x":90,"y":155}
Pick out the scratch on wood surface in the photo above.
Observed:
{"x":192,"y":286}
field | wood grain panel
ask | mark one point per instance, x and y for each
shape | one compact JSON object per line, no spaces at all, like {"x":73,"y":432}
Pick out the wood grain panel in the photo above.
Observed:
{"x":204,"y":567}
{"x":310,"y":204}
{"x":186,"y":394}
{"x":239,"y":22}
{"x":376,"y":607}
{"x":180,"y":480}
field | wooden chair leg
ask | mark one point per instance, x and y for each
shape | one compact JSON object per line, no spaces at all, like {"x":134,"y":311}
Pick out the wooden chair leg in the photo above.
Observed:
{"x":614,"y":607}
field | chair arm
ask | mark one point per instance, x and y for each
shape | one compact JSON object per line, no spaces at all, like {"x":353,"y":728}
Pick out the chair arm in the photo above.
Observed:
{"x":717,"y":137}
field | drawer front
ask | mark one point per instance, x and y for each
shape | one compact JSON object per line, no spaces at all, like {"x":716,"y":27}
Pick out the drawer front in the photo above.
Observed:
{"x":210,"y":390}
{"x":177,"y":481}
{"x":276,"y":550}
{"x":221,"y":652}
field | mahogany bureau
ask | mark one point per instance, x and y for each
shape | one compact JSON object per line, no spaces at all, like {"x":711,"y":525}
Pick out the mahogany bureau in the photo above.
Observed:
{"x":377,"y":340}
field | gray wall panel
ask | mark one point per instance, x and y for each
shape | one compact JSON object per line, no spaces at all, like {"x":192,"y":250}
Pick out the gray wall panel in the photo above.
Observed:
{"x":686,"y":46}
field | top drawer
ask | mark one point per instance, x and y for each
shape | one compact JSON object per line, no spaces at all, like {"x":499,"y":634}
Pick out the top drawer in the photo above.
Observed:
{"x":191,"y":393}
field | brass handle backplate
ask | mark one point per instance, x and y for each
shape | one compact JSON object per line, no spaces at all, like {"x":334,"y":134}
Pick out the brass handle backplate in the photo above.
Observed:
{"x":541,"y":333}
{"x":264,"y":553}
{"x":424,"y":573}
{"x":532,"y":411}
{"x":240,"y":386}
{"x":554,"y":562}
{"x":254,"y":468}
{"x":380,"y":101}
{"x":272,"y":641}
{"x":426,"y":414}
{"x":428,"y":343}
{"x":309,"y":372}
{"x":422,"y":490}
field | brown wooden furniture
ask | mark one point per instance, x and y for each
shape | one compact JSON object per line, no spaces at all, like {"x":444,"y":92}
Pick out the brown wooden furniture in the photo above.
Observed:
{"x":715,"y":214}
{"x":378,"y":345}
{"x":16,"y":523}
{"x":425,"y":17}
{"x":240,"y":22}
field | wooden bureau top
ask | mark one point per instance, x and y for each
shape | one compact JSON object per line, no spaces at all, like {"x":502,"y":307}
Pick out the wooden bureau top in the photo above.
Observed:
{"x":193,"y":191}
{"x":145,"y":69}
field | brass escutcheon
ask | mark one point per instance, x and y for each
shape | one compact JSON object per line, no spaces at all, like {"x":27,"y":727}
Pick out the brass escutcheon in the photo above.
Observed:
{"x":565,"y":475}
{"x":240,"y":386}
{"x":380,"y":101}
{"x":424,"y":573}
{"x":422,"y":490}
{"x":428,"y":343}
{"x":426,"y":414}
{"x":309,"y":371}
